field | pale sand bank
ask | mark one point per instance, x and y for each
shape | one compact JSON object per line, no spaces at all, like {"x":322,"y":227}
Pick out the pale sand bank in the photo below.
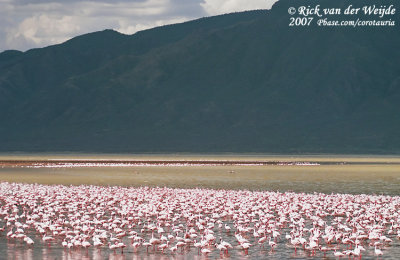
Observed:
{"x":347,"y":178}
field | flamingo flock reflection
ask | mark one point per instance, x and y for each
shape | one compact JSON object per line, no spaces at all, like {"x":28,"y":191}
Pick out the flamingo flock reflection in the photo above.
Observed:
{"x":221,"y":223}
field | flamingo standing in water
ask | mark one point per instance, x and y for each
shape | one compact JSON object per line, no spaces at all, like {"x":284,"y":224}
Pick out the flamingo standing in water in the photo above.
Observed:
{"x":162,"y":247}
{"x":154,"y":241}
{"x":262,"y":240}
{"x":112,"y":247}
{"x":378,"y":252}
{"x":272,"y":244}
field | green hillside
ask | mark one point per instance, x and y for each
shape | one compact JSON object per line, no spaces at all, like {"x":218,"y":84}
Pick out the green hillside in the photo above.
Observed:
{"x":242,"y":82}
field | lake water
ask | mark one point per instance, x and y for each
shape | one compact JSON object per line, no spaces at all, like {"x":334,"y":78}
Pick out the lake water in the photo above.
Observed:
{"x":333,"y":174}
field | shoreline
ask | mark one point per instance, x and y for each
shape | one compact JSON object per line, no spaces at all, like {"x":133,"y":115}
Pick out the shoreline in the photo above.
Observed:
{"x":368,"y":179}
{"x":26,"y":162}
{"x":61,"y":163}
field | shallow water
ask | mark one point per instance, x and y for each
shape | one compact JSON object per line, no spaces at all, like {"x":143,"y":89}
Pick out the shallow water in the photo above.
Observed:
{"x":354,"y":175}
{"x":243,"y":202}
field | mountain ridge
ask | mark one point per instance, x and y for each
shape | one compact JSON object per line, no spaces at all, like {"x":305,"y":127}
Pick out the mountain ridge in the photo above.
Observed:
{"x":243,"y":82}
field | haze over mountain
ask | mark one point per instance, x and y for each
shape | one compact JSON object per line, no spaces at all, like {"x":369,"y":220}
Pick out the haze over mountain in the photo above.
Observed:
{"x":242,"y":82}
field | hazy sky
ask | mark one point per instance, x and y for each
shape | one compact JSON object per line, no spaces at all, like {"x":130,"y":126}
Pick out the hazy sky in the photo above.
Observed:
{"x":26,"y":24}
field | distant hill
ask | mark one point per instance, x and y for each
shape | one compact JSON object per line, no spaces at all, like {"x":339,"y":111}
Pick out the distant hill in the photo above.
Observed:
{"x":241,"y":82}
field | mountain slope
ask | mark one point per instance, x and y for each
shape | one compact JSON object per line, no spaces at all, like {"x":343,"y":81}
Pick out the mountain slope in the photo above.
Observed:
{"x":244,"y":82}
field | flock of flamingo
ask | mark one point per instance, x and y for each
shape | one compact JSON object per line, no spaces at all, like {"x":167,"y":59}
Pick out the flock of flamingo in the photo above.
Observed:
{"x":214,"y":223}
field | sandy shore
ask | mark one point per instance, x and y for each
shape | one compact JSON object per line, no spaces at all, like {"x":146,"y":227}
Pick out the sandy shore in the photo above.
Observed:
{"x":348,"y":178}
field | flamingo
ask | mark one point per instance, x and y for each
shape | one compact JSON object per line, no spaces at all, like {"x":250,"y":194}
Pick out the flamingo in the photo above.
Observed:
{"x":147,"y":244}
{"x":378,"y":252}
{"x":324,"y":249}
{"x":338,"y":254}
{"x":245,"y":247}
{"x":205,"y":251}
{"x":86,"y":244}
{"x":154,"y":241}
{"x":64,"y":244}
{"x":174,"y":248}
{"x":112,"y":247}
{"x":122,"y":246}
{"x":221,"y":248}
{"x":227,"y":246}
{"x":162,"y":247}
{"x":47,"y":239}
{"x":136,"y":245}
{"x":98,"y":243}
{"x":29,"y":241}
{"x":295,"y":242}
{"x":272,"y":244}
{"x":180,"y":244}
{"x":262,"y":240}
